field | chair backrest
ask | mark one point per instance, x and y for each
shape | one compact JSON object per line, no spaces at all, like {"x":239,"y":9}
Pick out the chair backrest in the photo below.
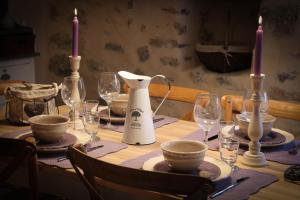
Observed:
{"x":281,"y":109}
{"x":177,"y":93}
{"x":18,"y":152}
{"x":194,"y":187}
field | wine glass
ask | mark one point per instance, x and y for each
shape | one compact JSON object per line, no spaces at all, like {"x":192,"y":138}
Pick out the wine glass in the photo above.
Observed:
{"x":248,"y":104}
{"x":73,"y":93}
{"x":108,"y":89}
{"x":207,"y":112}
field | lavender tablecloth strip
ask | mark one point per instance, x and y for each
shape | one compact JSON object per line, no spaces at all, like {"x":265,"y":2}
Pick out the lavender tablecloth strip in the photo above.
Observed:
{"x":278,"y":154}
{"x":109,"y":147}
{"x":138,"y":162}
{"x":252,"y":185}
{"x":164,"y":121}
{"x":199,"y":134}
{"x":256,"y":181}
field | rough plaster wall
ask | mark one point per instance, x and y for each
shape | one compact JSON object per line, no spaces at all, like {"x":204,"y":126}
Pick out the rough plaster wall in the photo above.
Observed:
{"x":158,"y":37}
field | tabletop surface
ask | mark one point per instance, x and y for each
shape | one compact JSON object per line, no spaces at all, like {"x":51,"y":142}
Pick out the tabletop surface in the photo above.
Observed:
{"x":278,"y":190}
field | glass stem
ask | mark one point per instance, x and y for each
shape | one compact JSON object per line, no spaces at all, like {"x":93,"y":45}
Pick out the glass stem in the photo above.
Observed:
{"x":74,"y":124}
{"x":206,"y":136}
{"x":109,"y":119}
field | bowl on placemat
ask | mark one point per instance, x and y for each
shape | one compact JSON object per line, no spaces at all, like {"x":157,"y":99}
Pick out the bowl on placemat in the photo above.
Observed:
{"x":48,"y":128}
{"x":184,"y":155}
{"x":243,"y":123}
{"x":119,"y":105}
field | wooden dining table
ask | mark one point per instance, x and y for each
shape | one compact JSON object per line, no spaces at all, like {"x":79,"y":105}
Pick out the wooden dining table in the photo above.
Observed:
{"x":280,"y":189}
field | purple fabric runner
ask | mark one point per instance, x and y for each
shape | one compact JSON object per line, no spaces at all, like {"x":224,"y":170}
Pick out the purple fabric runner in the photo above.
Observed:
{"x":161,"y":121}
{"x":278,"y":154}
{"x":250,"y":186}
{"x":109,"y":147}
{"x":256,"y":181}
{"x":200,"y":135}
{"x":272,"y":138}
{"x":205,"y":169}
{"x":51,"y":157}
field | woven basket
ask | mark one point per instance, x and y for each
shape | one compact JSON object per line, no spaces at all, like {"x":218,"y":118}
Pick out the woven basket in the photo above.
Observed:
{"x":26,"y":100}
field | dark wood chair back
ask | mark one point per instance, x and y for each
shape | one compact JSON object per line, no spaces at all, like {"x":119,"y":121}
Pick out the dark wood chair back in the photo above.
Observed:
{"x":116,"y":177}
{"x":16,"y":153}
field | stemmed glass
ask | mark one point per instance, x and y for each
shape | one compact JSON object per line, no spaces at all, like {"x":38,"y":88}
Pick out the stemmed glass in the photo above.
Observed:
{"x":108,"y":89}
{"x":73,"y":93}
{"x":248,"y":104}
{"x":207,"y":112}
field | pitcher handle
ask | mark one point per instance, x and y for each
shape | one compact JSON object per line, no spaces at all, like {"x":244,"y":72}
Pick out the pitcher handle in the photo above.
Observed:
{"x":166,"y":95}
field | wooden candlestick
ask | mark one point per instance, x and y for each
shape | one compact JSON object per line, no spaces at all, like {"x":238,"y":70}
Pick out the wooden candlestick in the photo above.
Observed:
{"x":254,"y":157}
{"x":75,"y":65}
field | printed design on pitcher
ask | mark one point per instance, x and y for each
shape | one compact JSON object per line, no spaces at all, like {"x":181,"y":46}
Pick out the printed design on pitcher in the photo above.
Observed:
{"x":136,"y":114}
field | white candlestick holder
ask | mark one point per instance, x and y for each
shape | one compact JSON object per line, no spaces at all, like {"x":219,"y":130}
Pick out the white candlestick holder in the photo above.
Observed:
{"x":254,"y":157}
{"x":74,"y":114}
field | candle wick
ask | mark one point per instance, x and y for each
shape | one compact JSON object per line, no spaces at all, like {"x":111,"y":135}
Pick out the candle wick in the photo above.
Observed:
{"x":75,"y":12}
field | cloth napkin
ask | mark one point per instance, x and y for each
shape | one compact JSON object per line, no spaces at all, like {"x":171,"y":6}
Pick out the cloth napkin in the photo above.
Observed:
{"x":159,"y":121}
{"x":278,"y":154}
{"x":256,"y":181}
{"x":108,"y":147}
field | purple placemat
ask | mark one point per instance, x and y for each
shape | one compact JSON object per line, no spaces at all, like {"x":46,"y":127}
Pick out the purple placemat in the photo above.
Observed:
{"x":253,"y":184}
{"x":66,"y":140}
{"x":108,"y":147}
{"x":206,"y":169}
{"x":200,"y":135}
{"x":272,"y":138}
{"x":278,"y":154}
{"x":159,"y":121}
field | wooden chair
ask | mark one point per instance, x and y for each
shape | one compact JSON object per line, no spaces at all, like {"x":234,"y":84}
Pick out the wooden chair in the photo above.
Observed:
{"x":281,"y":109}
{"x":135,"y":181}
{"x":15,"y":153}
{"x":18,"y":152}
{"x":177,"y":93}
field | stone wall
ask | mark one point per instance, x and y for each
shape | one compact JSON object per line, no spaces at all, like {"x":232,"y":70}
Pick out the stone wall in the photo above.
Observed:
{"x":159,"y":37}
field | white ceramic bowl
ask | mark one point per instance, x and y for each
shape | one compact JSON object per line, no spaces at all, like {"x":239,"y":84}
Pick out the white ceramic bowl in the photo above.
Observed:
{"x":119,"y":105}
{"x":48,"y":128}
{"x":244,"y":123}
{"x":184,"y":155}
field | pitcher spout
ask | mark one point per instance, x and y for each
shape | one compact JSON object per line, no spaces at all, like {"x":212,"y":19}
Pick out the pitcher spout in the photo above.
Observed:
{"x":135,"y":81}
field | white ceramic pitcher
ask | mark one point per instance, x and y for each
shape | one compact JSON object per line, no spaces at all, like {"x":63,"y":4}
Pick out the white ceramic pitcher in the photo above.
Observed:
{"x":139,"y":128}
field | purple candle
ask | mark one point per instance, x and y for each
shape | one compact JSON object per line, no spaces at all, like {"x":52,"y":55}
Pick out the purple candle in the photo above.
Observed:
{"x":75,"y":35}
{"x":258,"y":48}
